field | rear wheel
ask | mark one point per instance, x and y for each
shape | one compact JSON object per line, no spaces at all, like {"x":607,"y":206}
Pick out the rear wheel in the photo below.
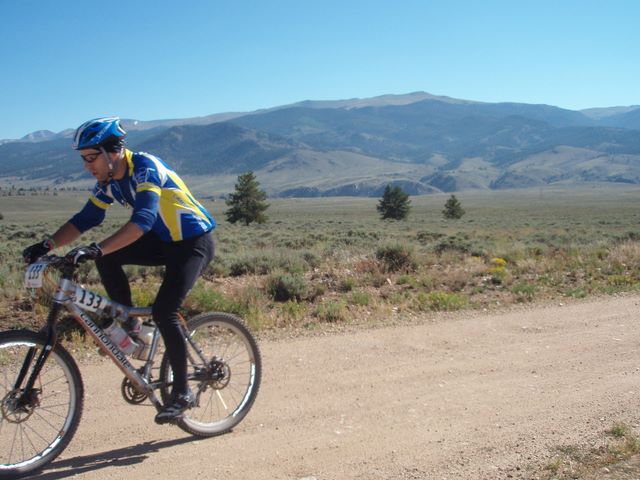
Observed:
{"x":35,"y":430}
{"x":224,"y":375}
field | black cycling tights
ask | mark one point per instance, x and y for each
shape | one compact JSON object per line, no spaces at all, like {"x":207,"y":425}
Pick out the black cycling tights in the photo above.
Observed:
{"x":184,"y":261}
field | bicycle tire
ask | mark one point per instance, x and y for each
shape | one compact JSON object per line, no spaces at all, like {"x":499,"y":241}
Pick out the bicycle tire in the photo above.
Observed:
{"x":222,"y":403}
{"x":32,"y":437}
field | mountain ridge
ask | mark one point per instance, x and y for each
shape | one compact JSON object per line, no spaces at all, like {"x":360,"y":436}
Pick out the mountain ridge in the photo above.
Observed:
{"x":423,"y":142}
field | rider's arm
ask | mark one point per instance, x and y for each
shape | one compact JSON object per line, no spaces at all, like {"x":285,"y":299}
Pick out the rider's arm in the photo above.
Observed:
{"x":144,"y":216}
{"x":94,"y":211}
{"x":66,"y":234}
{"x":129,"y":233}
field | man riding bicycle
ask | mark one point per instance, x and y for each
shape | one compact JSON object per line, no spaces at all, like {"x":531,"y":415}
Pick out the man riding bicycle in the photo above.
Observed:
{"x":168,"y":226}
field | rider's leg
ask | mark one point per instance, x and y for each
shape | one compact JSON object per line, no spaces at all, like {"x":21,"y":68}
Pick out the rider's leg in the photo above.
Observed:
{"x":185,"y":260}
{"x":147,"y":250}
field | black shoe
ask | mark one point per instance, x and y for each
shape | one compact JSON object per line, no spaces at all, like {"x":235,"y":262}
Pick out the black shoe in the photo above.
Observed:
{"x":174,"y":411}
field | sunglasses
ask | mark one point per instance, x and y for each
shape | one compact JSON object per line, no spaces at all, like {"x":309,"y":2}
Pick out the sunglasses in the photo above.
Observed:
{"x":91,"y":157}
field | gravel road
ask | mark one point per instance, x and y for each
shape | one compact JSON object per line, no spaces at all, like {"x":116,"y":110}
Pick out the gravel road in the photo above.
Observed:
{"x":464,"y":396}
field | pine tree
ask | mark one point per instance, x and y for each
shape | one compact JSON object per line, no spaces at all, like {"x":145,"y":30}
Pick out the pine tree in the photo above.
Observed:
{"x":394,"y":204}
{"x":453,"y":208}
{"x":247,"y":204}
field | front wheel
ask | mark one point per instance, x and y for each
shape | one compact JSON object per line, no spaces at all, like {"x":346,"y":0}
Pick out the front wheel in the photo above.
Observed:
{"x":224,"y":373}
{"x":35,"y":429}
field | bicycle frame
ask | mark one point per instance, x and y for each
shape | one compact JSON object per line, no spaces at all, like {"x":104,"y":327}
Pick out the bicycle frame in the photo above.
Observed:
{"x":77,"y":300}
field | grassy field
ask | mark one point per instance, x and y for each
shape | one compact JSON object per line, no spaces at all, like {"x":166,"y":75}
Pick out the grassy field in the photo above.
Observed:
{"x":318,"y":263}
{"x":332,"y":260}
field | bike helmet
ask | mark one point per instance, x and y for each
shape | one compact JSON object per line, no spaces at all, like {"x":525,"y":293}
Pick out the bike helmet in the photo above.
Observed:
{"x":100,"y":133}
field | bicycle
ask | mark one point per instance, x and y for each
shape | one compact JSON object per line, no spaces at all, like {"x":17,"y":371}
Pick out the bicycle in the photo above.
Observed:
{"x":42,"y":392}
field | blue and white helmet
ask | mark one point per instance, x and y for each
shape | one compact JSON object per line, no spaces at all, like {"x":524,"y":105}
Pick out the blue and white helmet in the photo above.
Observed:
{"x":99,"y":132}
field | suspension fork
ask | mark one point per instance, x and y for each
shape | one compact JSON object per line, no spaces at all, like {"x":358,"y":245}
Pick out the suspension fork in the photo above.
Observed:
{"x":52,"y":339}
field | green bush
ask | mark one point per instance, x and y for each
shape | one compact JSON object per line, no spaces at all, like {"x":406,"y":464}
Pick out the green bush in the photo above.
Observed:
{"x":426,"y":237}
{"x":453,"y":243}
{"x":265,"y":264}
{"x":293,"y":311}
{"x":524,"y":291}
{"x":311,"y":259}
{"x":206,"y":299}
{"x":347,"y":284}
{"x":332,"y":312}
{"x":396,"y":258}
{"x":440,"y":301}
{"x":257,"y":265}
{"x":283,"y":288}
{"x":361,"y":299}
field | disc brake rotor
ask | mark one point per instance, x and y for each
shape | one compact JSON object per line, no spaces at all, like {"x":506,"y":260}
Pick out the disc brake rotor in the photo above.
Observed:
{"x":12,"y":412}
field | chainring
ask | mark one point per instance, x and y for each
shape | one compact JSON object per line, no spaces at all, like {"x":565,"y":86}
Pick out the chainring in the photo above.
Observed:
{"x":130,"y":393}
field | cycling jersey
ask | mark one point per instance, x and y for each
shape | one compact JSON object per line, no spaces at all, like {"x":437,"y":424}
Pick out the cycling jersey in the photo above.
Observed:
{"x":161,"y":201}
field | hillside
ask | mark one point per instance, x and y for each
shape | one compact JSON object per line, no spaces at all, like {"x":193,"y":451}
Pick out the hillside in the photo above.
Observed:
{"x":355,"y":147}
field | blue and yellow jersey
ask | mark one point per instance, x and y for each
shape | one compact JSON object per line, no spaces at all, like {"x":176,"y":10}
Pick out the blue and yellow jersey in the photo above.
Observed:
{"x":161,"y":201}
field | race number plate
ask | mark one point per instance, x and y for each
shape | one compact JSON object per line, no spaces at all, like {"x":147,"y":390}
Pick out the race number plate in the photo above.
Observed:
{"x":88,"y":300}
{"x":34,"y":275}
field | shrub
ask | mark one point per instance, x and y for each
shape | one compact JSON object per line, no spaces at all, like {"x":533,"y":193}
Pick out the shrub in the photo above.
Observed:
{"x":204,"y":298}
{"x":524,"y":291}
{"x":498,"y":275}
{"x":426,"y":237}
{"x":620,"y":280}
{"x":498,"y":262}
{"x":283,"y":288}
{"x":293,"y":311}
{"x":361,"y":299}
{"x":311,"y":259}
{"x":440,"y":301}
{"x":408,"y":280}
{"x":332,"y":312}
{"x":265,"y":264}
{"x":625,"y":256}
{"x":396,"y":258}
{"x":453,"y":243}
{"x":347,"y":284}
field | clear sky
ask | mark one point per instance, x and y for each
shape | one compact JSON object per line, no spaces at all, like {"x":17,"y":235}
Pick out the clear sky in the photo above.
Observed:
{"x":66,"y":61}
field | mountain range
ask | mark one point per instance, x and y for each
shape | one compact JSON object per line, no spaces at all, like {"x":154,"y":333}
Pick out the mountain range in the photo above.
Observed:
{"x":422,"y":142}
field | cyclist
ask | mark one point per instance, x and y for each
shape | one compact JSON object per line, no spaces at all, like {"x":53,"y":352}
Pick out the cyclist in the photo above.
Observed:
{"x":168,"y":226}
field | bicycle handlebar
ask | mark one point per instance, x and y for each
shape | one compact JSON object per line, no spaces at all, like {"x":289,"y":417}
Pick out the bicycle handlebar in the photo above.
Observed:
{"x":62,"y":263}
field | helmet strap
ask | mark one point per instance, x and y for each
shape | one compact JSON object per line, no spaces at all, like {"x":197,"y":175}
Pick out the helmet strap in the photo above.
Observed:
{"x":110,"y":162}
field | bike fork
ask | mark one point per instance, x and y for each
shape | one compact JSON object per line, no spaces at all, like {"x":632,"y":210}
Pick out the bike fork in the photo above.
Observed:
{"x":52,"y":338}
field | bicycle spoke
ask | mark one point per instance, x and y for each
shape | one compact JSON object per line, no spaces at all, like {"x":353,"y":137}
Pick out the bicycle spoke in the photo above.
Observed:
{"x":42,"y":385}
{"x":36,"y":433}
{"x":53,"y":427}
{"x":222,"y":400}
{"x":13,"y":444}
{"x":49,"y":407}
{"x":26,"y":435}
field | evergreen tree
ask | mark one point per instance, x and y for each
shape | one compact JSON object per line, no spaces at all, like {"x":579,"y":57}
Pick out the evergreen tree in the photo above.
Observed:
{"x":453,"y":208}
{"x":247,"y":204}
{"x":394,"y":204}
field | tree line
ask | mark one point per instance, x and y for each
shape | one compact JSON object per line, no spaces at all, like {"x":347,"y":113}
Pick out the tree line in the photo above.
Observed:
{"x":247,"y":203}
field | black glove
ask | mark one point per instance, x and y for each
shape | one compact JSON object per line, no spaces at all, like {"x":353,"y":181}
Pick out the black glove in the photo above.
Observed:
{"x":35,"y":251}
{"x":82,"y":254}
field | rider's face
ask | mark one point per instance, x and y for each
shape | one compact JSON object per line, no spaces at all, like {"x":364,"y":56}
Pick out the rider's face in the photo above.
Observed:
{"x":95,"y":163}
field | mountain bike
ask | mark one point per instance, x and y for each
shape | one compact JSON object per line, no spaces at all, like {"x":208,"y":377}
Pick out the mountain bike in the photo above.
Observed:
{"x":41,"y":388}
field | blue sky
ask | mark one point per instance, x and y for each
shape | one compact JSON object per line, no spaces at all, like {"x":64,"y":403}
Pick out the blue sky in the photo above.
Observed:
{"x":64,"y":62}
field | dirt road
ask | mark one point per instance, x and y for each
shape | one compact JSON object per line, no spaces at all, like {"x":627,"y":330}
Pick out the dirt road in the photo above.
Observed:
{"x":469,"y":396}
